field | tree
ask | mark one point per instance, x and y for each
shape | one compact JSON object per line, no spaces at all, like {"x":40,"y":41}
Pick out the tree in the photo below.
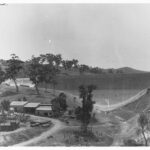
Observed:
{"x":62,"y":101}
{"x":35,"y":72}
{"x":143,"y":123}
{"x":24,"y":98}
{"x":78,"y":112}
{"x":75,"y":63}
{"x":110,"y":71}
{"x":69,"y":64}
{"x":83,"y":68}
{"x":95,"y":70}
{"x":48,"y":74}
{"x":87,"y":104}
{"x":51,"y":69}
{"x":56,"y":107}
{"x":58,"y":60}
{"x":50,"y":58}
{"x":5,"y":104}
{"x":119,"y":71}
{"x":64,"y":64}
{"x":2,"y":75}
{"x":14,"y":65}
{"x":59,"y":104}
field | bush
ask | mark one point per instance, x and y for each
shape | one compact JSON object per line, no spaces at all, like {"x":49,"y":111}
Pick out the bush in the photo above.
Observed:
{"x":62,"y":101}
{"x":5,"y":104}
{"x":24,"y":98}
{"x":8,"y":93}
{"x":131,"y":142}
{"x":78,"y":113}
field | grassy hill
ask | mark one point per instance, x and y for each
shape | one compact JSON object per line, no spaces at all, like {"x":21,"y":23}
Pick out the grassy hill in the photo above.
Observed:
{"x":128,"y":70}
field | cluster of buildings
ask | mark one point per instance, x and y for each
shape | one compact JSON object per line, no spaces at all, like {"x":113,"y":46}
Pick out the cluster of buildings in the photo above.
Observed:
{"x":9,"y":120}
{"x":31,"y":108}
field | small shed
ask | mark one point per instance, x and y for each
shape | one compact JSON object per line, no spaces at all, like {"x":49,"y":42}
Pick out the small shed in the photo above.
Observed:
{"x":44,"y":110}
{"x":31,"y":107}
{"x":18,"y":105}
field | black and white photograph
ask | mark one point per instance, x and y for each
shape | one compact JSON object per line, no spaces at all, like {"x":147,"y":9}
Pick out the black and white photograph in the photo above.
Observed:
{"x":74,"y":74}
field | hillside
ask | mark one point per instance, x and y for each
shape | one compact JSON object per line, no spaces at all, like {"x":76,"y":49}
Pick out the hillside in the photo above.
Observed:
{"x":9,"y":93}
{"x":131,"y":109}
{"x":104,"y":81}
{"x":128,"y":70}
{"x":122,"y":78}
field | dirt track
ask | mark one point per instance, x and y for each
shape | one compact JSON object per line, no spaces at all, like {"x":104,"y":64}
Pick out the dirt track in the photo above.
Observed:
{"x":98,"y":108}
{"x":58,"y":125}
{"x":127,"y":130}
{"x":115,"y":106}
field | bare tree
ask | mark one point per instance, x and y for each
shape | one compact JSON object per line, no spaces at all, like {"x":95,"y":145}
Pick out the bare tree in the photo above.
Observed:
{"x":143,"y":123}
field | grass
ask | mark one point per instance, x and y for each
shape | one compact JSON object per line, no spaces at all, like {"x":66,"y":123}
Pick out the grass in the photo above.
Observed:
{"x":125,"y":115}
{"x":98,"y":135}
{"x":74,"y":137}
{"x":22,"y":136}
{"x":31,"y":95}
{"x":8,"y":93}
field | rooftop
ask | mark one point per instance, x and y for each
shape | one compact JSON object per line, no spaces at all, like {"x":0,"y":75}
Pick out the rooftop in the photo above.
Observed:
{"x":32,"y":105}
{"x":18,"y":103}
{"x":46,"y":104}
{"x":48,"y":108}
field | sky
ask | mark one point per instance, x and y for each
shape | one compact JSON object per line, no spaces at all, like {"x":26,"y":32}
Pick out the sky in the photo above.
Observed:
{"x":103,"y":35}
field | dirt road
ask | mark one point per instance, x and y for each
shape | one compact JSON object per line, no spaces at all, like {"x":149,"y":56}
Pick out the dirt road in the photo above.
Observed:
{"x":118,"y":139}
{"x":115,"y":106}
{"x":58,"y":125}
{"x":127,"y":130}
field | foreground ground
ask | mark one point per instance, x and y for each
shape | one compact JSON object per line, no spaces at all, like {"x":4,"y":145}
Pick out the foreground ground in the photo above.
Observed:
{"x":25,"y":132}
{"x":109,"y":129}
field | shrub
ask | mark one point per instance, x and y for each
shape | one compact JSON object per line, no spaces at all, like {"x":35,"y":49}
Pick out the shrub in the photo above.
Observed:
{"x":5,"y":104}
{"x":131,"y":142}
{"x":8,"y":93}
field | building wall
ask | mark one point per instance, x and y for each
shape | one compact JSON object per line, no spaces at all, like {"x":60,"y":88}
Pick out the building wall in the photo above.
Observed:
{"x":43,"y":113}
{"x":29,"y":110}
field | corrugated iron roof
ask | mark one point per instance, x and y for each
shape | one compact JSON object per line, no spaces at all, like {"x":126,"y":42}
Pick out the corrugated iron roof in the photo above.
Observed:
{"x":48,"y":108}
{"x":49,"y":104}
{"x":32,"y":105}
{"x":18,"y":103}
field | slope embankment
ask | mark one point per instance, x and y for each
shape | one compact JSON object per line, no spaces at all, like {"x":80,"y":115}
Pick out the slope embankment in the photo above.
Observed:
{"x":121,"y":104}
